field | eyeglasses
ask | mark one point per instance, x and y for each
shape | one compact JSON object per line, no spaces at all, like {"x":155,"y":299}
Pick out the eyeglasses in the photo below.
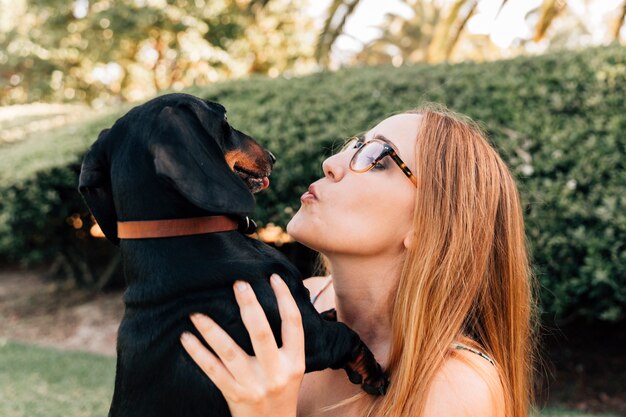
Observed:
{"x":371,"y":152}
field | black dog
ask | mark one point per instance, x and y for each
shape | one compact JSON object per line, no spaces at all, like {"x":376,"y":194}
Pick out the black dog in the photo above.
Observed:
{"x":176,"y":157}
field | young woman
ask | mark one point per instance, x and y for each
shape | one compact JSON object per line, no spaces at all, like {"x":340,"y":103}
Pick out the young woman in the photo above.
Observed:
{"x":421,"y":226}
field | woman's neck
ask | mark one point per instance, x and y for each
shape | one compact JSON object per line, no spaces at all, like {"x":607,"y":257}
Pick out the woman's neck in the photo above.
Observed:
{"x":362,"y":287}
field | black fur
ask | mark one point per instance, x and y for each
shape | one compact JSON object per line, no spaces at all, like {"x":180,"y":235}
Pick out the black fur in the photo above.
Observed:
{"x":163,"y":160}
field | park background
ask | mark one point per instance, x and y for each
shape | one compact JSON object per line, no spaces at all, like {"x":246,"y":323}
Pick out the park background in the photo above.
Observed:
{"x":545,"y":78}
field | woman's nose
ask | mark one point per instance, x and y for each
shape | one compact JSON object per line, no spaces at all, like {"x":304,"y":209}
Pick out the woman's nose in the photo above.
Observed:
{"x":334,"y":167}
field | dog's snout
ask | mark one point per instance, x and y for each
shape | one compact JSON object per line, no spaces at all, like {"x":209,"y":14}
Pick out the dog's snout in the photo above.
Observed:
{"x":272,"y":157}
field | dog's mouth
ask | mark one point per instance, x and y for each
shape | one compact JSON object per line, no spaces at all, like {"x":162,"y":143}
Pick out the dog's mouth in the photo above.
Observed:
{"x":256,"y":181}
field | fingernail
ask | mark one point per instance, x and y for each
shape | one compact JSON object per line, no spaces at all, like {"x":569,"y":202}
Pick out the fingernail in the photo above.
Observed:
{"x":275,"y":278}
{"x":185,"y":337}
{"x":241,"y":285}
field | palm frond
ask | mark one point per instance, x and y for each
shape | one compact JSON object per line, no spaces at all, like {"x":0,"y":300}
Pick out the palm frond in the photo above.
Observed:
{"x":549,"y":10}
{"x":437,"y":48}
{"x":330,"y":14}
{"x":501,"y":7}
{"x":337,"y":15}
{"x":619,"y":22}
{"x":455,"y":36}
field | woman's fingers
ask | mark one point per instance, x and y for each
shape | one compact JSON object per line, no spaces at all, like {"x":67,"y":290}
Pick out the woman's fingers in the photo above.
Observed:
{"x":230,"y":359}
{"x":255,"y":320}
{"x":209,"y":363}
{"x":269,"y":383}
{"x":292,"y":330}
{"x":233,"y":357}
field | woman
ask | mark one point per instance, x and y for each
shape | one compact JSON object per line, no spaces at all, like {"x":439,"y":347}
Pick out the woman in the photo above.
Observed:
{"x":428,"y":261}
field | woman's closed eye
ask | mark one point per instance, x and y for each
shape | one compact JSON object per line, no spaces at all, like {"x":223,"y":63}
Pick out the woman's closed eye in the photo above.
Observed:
{"x":380,"y":165}
{"x":358,"y":142}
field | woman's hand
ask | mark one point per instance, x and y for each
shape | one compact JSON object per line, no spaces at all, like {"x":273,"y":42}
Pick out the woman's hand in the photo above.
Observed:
{"x":263,"y":385}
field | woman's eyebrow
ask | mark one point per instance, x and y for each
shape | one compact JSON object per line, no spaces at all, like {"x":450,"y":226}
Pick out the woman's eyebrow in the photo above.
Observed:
{"x":381,"y":136}
{"x":374,"y":136}
{"x":361,"y":138}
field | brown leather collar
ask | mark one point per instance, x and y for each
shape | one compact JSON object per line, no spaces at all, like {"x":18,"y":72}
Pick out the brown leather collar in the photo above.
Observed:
{"x":175,"y":227}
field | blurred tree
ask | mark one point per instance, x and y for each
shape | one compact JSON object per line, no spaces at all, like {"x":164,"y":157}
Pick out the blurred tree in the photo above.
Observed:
{"x":448,"y":30}
{"x":550,"y":10}
{"x":336,"y":17}
{"x":574,"y":26}
{"x":429,"y":35}
{"x":105,"y":51}
{"x":438,"y":26}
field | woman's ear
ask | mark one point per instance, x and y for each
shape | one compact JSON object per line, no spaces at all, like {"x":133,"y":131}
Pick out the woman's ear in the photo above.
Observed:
{"x":409,"y":239}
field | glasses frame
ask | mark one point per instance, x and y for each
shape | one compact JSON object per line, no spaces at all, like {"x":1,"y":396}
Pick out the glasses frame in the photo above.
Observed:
{"x":388,"y":150}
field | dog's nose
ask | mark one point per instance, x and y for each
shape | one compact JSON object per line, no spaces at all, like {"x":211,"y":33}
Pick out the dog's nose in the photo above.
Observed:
{"x":272,"y":157}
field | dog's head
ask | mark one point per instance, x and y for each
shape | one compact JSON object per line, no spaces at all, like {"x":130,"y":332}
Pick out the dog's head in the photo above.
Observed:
{"x":181,"y":144}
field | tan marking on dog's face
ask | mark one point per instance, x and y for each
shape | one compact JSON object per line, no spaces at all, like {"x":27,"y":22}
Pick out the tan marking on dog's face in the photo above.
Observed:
{"x":243,"y":160}
{"x":234,"y":156}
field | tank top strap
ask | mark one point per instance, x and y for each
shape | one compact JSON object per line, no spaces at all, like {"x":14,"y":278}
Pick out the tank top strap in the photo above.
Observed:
{"x":471,"y":349}
{"x":321,"y":290}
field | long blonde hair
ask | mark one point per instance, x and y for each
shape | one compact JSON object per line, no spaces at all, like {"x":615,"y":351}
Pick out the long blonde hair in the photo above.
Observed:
{"x":467,"y":277}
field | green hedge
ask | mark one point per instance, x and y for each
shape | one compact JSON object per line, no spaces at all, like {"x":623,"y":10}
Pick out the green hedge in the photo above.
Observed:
{"x":40,"y":208}
{"x":558,"y":120}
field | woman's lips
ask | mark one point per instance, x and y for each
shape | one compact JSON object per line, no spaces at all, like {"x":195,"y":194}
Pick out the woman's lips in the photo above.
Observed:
{"x":309,"y":195}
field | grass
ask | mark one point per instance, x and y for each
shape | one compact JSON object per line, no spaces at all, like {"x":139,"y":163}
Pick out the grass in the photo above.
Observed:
{"x":44,"y":382}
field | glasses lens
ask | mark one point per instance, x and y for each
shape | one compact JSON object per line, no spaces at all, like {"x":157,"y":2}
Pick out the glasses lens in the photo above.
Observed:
{"x":367,"y":155}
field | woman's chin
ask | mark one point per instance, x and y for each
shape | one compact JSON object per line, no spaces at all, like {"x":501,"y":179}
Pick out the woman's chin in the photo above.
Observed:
{"x":293,"y":228}
{"x":297,"y":229}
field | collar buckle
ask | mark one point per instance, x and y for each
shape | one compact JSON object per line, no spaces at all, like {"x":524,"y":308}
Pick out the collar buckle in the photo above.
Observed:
{"x":247,"y":226}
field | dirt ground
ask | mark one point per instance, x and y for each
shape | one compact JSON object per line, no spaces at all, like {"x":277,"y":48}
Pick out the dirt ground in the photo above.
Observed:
{"x":584,"y":368}
{"x":57,"y":314}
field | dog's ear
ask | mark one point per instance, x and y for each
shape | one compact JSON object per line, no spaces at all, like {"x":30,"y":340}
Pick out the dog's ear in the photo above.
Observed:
{"x":94,"y":184}
{"x":187,"y":156}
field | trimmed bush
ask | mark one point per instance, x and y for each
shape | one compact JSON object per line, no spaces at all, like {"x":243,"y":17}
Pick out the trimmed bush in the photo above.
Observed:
{"x":42,"y":216}
{"x":558,"y":120}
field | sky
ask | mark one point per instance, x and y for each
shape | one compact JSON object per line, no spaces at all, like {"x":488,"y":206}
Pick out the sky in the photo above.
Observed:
{"x":508,"y":26}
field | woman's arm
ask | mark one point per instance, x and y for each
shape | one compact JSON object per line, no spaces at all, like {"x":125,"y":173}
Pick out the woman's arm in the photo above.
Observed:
{"x":263,"y":385}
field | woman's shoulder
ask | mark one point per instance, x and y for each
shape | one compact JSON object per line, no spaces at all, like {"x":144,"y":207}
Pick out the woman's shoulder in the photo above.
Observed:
{"x":466,"y":385}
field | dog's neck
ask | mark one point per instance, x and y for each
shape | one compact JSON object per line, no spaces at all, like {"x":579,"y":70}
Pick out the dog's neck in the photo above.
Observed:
{"x":149,"y":229}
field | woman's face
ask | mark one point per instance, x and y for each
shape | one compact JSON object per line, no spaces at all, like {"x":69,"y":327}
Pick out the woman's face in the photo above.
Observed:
{"x":366,"y":213}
